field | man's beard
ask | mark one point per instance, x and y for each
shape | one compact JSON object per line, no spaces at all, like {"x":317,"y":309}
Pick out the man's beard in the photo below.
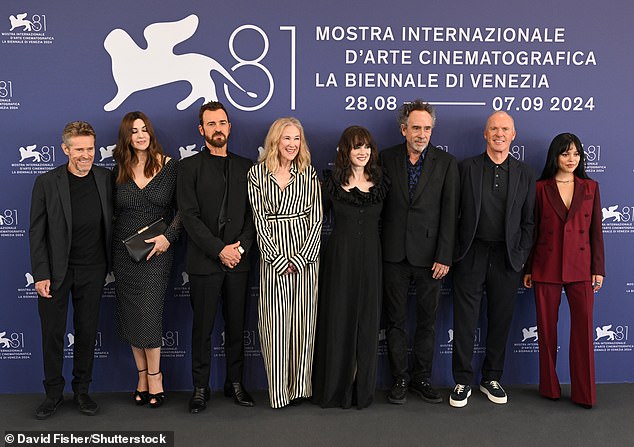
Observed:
{"x":216,"y":142}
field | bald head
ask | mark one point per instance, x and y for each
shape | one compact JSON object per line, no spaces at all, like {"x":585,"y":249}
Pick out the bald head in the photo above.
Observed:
{"x":499,"y":133}
{"x":500,"y":114}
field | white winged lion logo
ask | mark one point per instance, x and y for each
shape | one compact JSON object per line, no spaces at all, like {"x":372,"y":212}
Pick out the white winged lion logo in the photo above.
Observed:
{"x":160,"y":65}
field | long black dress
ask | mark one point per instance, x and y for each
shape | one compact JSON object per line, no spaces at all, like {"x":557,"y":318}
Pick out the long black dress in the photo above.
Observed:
{"x":140,"y":287}
{"x":344,"y":367}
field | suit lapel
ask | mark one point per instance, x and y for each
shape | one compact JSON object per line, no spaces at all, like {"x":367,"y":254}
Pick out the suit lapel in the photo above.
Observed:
{"x":552,"y":194}
{"x":477,"y":171}
{"x":514,"y":180}
{"x":101,"y":188}
{"x":577,"y":198}
{"x":429,"y":164}
{"x":63,"y":186}
{"x":400,"y":168}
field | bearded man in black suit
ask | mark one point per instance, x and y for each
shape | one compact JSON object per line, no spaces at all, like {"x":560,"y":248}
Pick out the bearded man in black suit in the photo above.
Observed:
{"x":418,"y":230}
{"x":212,"y":200}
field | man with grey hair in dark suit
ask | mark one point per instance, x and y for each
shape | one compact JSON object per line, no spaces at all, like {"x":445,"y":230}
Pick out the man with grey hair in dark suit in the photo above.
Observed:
{"x":418,"y":230}
{"x":70,"y":234}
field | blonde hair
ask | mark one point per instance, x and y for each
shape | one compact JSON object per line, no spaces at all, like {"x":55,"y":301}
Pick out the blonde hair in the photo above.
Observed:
{"x":270,"y":154}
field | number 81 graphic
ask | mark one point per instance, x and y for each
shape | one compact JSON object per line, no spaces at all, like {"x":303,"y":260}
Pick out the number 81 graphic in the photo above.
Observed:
{"x":255,"y":63}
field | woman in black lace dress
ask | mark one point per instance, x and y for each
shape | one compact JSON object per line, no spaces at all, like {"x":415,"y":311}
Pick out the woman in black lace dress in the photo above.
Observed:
{"x":344,"y":368}
{"x":144,"y":191}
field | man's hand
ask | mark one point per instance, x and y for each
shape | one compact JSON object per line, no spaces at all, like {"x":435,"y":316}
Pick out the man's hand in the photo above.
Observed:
{"x":230,"y":255}
{"x":439,"y":271}
{"x":43,"y":288}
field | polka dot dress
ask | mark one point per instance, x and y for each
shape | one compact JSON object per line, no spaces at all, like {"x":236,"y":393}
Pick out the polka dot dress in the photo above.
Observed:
{"x":140,"y":287}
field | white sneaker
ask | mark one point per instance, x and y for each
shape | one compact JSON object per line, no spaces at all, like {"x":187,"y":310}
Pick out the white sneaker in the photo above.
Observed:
{"x":459,"y":396}
{"x":494,"y":391}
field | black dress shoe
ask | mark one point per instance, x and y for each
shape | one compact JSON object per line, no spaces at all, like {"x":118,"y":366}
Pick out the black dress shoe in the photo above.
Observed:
{"x":425,"y":391}
{"x":86,"y":405}
{"x":198,"y":401}
{"x":48,"y":407}
{"x":239,"y":394}
{"x":398,"y":392}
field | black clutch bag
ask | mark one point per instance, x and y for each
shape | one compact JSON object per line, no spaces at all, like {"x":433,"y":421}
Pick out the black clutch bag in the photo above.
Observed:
{"x":136,"y":245}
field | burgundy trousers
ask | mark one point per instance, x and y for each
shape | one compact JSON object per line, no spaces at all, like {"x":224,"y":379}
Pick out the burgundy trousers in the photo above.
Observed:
{"x":581,"y":301}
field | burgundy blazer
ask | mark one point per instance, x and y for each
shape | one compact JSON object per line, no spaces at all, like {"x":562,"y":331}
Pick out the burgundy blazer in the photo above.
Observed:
{"x":568,"y":243}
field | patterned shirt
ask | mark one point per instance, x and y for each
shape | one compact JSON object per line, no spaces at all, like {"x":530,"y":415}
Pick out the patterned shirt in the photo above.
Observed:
{"x":414,"y":172}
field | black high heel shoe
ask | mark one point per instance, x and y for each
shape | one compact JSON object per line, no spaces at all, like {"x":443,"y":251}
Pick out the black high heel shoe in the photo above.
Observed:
{"x":158,"y":398}
{"x":143,"y":396}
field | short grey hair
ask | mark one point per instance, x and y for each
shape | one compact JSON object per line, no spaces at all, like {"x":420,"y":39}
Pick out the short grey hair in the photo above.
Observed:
{"x":76,"y":129}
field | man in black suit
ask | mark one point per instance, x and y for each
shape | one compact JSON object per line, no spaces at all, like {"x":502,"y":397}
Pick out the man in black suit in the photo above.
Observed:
{"x":70,"y":233}
{"x":418,"y":229}
{"x":213,"y":202}
{"x":495,"y":233}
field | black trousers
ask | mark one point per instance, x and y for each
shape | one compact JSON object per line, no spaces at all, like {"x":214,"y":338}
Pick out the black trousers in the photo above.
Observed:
{"x":84,"y":284}
{"x":396,"y":281}
{"x":205,"y":292}
{"x":484,"y":268}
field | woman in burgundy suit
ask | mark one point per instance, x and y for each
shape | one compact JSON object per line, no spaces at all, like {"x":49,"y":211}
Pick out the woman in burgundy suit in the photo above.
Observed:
{"x":568,"y":253}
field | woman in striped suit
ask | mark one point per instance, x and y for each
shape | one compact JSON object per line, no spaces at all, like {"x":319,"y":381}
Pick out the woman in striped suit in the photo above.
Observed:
{"x":286,"y":199}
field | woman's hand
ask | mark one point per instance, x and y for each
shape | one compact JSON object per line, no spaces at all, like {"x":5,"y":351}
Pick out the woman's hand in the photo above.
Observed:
{"x":597,"y":282}
{"x":161,"y":244}
{"x":528,"y":280}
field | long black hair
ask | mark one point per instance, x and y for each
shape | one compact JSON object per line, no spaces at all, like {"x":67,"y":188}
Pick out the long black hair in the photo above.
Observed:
{"x":560,"y":144}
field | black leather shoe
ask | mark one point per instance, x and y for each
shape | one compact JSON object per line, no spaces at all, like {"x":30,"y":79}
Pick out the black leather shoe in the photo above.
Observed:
{"x":198,"y":401}
{"x":48,"y":407}
{"x":425,"y":391}
{"x":86,"y":405}
{"x":398,"y":393}
{"x":239,"y":394}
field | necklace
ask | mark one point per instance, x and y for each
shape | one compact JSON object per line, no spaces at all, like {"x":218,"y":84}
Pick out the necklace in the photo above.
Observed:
{"x":565,"y":181}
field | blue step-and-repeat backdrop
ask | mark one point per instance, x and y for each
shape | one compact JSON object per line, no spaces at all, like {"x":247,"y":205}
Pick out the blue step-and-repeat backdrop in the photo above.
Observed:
{"x":555,"y":66}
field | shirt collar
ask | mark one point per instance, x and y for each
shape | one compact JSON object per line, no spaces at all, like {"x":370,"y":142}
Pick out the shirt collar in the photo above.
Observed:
{"x":491,"y":164}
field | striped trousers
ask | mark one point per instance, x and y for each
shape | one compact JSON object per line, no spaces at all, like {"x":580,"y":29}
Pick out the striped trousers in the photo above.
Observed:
{"x":287,"y":311}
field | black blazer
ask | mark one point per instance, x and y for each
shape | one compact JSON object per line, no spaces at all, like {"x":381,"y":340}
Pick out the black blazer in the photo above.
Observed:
{"x":520,"y":201}
{"x":199,"y":201}
{"x":51,"y":223}
{"x":424,"y":230}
